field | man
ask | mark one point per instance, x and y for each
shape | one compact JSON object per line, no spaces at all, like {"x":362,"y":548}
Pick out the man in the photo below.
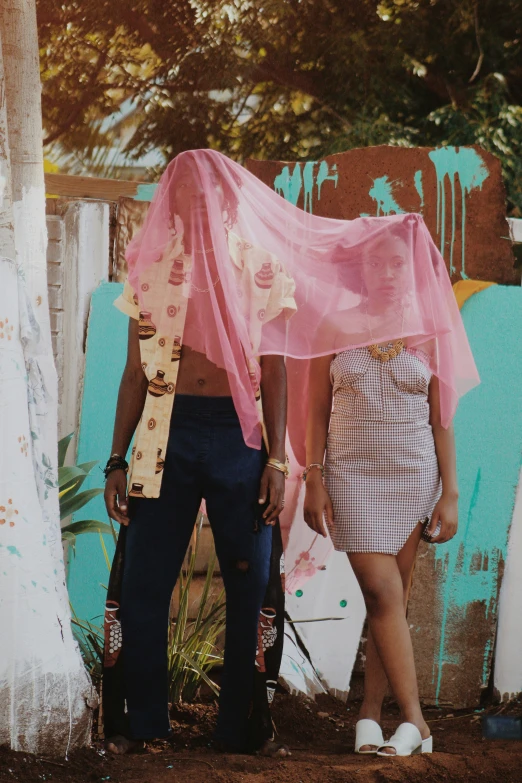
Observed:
{"x":182,"y":395}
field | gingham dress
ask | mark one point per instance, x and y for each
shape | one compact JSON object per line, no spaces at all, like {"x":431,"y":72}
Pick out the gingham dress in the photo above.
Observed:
{"x":381,"y":469}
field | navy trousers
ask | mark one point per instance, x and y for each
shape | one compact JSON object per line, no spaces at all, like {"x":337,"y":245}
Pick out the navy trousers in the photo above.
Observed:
{"x":206,"y":458}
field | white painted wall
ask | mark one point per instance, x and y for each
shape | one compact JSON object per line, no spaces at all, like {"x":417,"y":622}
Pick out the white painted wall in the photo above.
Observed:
{"x":85,"y":266}
{"x":508,"y":656}
{"x":515,"y":226}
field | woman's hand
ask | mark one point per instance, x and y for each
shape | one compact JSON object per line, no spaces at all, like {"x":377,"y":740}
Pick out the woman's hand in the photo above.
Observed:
{"x":317,"y":504}
{"x":446,"y":514}
{"x":115,"y":496}
{"x":272,"y":489}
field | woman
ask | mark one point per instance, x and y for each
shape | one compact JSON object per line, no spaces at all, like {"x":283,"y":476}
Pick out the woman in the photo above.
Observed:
{"x":389,"y":472}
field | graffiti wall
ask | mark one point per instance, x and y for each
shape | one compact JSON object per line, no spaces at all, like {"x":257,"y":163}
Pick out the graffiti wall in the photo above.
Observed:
{"x":458,"y":190}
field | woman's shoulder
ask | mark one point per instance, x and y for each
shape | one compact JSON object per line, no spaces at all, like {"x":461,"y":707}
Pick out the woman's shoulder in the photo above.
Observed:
{"x":344,"y":327}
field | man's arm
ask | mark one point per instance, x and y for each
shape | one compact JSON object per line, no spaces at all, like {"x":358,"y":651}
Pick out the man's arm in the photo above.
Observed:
{"x":274,"y":397}
{"x":131,"y":400}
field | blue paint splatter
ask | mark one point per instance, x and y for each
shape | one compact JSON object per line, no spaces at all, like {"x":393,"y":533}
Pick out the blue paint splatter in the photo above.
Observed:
{"x":488,"y":428}
{"x":308,"y":182}
{"x":467,"y":164}
{"x":14,"y":551}
{"x":323,"y":175}
{"x":417,"y":179}
{"x":145,"y":192}
{"x":289,"y":185}
{"x":382,"y":192}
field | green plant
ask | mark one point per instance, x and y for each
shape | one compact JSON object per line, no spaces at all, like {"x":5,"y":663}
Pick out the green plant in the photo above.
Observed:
{"x":192,"y":650}
{"x":70,"y":480}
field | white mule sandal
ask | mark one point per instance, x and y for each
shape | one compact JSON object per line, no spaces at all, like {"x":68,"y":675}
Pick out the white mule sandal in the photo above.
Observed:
{"x":368,"y":732}
{"x":406,"y":741}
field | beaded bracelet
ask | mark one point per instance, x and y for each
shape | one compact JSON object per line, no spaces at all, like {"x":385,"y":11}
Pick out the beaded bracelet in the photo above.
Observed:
{"x":309,"y":468}
{"x":115,"y":462}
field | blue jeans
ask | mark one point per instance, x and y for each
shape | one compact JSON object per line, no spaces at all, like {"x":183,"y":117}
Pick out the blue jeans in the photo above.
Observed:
{"x":206,"y":458}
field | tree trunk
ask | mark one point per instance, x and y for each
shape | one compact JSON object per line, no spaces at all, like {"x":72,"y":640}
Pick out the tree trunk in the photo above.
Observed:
{"x":44,"y":688}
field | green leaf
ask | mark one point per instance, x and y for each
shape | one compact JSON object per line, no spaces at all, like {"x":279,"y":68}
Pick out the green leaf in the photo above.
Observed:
{"x":69,"y":474}
{"x":71,"y":540}
{"x":87,"y":526}
{"x":72,"y":504}
{"x":63,"y":445}
{"x":212,"y":685}
{"x":88,"y":466}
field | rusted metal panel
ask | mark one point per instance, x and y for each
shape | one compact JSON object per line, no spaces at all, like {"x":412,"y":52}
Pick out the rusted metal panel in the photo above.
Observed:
{"x":459,"y":192}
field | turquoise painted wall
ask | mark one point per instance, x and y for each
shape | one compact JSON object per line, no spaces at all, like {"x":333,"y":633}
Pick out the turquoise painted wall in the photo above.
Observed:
{"x":488,"y":428}
{"x":105,"y":360}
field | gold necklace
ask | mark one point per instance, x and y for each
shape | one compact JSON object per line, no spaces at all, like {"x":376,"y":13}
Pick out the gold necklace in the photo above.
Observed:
{"x":385,"y":355}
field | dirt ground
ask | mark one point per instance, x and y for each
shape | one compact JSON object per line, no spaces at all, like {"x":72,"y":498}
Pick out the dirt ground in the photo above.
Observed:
{"x":320,"y":735}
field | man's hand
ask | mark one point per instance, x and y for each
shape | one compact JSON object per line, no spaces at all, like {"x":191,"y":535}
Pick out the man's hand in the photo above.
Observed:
{"x":272,"y":489}
{"x":115,"y":497}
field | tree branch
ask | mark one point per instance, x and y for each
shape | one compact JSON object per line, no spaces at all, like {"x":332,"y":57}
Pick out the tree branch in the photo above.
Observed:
{"x":80,"y":105}
{"x":479,"y":44}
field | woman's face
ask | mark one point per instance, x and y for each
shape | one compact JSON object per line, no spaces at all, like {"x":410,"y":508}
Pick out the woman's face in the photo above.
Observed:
{"x":386,"y":270}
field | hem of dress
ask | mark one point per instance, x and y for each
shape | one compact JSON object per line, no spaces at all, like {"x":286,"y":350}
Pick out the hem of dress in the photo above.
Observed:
{"x":381,"y":551}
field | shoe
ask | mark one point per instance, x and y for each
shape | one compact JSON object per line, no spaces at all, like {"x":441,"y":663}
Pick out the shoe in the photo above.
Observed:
{"x":406,"y":741}
{"x":368,"y":732}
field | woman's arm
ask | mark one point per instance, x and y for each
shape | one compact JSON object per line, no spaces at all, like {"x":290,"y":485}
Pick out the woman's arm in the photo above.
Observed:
{"x":274,"y":397}
{"x":446,"y":510}
{"x":131,"y":400}
{"x":317,"y":501}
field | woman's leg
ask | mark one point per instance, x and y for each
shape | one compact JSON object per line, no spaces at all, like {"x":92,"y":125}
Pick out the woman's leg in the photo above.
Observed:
{"x":375,"y":680}
{"x":384,"y":581}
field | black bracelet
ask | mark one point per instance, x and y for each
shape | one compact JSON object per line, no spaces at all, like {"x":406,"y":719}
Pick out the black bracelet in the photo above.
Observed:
{"x":115,"y":463}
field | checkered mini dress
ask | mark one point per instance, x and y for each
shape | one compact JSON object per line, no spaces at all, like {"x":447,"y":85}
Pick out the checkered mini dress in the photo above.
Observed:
{"x":381,"y":469}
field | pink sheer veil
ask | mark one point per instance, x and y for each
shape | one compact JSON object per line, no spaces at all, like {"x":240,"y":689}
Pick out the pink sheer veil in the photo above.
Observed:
{"x":359,"y":282}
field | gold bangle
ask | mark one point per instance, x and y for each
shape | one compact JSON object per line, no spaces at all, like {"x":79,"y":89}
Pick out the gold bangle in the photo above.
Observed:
{"x":280,"y":466}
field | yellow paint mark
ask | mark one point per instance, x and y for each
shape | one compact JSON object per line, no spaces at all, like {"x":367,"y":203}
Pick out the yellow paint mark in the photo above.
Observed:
{"x":464,"y":289}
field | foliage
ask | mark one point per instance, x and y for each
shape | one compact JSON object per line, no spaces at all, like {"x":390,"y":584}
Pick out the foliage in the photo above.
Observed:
{"x":192,"y":647}
{"x":70,"y":480}
{"x":278,"y":79}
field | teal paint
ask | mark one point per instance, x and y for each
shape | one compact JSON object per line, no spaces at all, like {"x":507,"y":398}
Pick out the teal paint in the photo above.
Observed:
{"x":289,"y":185}
{"x":325,"y":174}
{"x":145,"y":192}
{"x":308,"y":182}
{"x":488,"y":650}
{"x":488,"y":429}
{"x":382,"y":193}
{"x":105,"y":359}
{"x":471,"y":170}
{"x":417,"y":179}
{"x":14,"y":551}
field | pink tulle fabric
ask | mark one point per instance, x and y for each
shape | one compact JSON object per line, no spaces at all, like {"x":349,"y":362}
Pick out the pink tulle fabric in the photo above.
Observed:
{"x":357,"y":283}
